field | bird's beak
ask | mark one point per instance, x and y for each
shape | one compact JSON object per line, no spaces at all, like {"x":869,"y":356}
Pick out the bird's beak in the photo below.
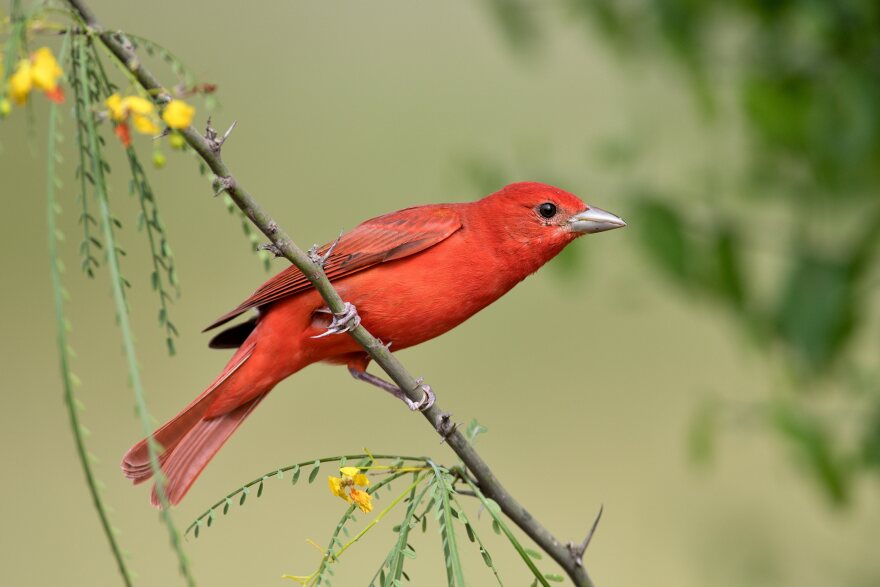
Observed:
{"x":595,"y":220}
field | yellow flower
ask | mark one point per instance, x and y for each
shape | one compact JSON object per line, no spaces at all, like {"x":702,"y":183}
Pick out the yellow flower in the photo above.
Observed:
{"x":138,"y":105}
{"x":5,"y":108}
{"x":144,"y":125}
{"x":138,"y":109}
{"x":355,"y":475}
{"x":40,"y":71}
{"x":178,"y":114}
{"x":351,"y":476}
{"x":363,"y":500}
{"x":20,"y":82}
{"x":114,"y":104}
{"x":337,"y":488}
{"x":45,"y":71}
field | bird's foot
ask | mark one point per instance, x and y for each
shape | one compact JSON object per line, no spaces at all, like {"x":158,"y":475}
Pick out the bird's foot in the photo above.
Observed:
{"x":423,"y":404}
{"x":344,"y":321}
{"x":427,"y":400}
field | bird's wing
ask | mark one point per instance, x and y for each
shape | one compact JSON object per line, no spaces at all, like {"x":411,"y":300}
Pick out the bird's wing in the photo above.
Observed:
{"x":386,"y":238}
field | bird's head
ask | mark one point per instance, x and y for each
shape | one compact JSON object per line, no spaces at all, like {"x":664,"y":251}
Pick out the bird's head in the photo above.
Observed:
{"x":534,"y":213}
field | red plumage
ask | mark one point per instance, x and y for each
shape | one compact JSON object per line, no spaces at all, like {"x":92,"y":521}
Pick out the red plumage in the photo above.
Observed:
{"x":412,"y":275}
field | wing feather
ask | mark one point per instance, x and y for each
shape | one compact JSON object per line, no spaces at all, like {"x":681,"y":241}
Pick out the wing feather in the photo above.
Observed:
{"x":385,"y":238}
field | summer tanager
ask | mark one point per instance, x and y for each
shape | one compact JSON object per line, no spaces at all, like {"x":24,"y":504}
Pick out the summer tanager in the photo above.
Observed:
{"x":411,"y":275}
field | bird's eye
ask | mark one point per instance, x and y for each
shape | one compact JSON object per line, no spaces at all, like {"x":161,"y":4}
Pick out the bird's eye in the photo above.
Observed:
{"x":547,"y":210}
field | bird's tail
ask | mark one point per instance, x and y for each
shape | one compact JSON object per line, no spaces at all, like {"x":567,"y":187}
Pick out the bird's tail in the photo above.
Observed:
{"x":190,"y":439}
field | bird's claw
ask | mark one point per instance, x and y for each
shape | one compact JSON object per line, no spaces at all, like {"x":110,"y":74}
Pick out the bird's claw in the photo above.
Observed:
{"x":427,"y":400}
{"x":344,"y":321}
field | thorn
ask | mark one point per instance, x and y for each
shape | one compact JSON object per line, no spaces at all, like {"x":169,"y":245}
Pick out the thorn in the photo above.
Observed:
{"x":215,"y":142}
{"x":210,"y":133}
{"x":320,"y":260}
{"x":272,"y":248}
{"x":578,"y":550}
{"x":224,"y":184}
{"x":445,"y":427}
{"x":228,"y":132}
{"x":165,"y":132}
{"x":313,"y":255}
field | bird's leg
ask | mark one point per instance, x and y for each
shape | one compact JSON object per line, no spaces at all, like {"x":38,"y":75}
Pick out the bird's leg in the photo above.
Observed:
{"x":346,"y":320}
{"x":427,"y":399}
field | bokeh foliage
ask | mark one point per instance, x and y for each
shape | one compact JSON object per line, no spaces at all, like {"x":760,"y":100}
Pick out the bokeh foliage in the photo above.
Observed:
{"x":800,"y":80}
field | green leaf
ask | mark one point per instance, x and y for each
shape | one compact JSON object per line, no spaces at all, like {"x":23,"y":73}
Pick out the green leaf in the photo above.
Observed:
{"x":498,"y":522}
{"x":401,"y":548}
{"x":533,"y":553}
{"x":475,"y":538}
{"x":815,"y":314}
{"x":314,"y":474}
{"x":663,"y":238}
{"x":809,"y":437}
{"x":442,"y":491}
{"x":474,"y":429}
{"x":486,"y":558}
{"x":722,"y":266}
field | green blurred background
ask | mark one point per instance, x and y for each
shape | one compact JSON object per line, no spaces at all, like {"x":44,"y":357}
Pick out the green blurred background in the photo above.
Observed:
{"x":708,"y":374}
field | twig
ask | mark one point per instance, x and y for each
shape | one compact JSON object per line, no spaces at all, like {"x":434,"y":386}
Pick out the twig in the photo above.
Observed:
{"x":64,"y":351}
{"x":488,"y":483}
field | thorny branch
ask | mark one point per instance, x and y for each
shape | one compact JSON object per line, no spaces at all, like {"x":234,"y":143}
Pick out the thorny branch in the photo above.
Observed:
{"x":208,"y":148}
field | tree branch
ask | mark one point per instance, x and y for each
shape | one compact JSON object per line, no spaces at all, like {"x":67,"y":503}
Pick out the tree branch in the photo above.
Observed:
{"x":209,"y":150}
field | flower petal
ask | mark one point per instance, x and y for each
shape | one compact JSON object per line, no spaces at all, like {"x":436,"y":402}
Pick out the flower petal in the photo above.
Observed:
{"x":20,"y":82}
{"x":56,"y":95}
{"x":144,"y":124}
{"x":337,"y":488}
{"x":178,"y":114}
{"x":45,"y":71}
{"x":115,"y":106}
{"x":138,"y":105}
{"x":349,"y":471}
{"x":363,"y":500}
{"x":123,"y":133}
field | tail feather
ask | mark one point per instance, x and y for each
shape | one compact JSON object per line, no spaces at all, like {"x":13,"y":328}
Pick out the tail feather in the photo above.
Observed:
{"x":193,"y":452}
{"x":136,"y":462}
{"x":190,"y":438}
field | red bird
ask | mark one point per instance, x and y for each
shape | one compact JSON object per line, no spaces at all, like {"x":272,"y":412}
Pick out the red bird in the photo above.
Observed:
{"x":411,"y":274}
